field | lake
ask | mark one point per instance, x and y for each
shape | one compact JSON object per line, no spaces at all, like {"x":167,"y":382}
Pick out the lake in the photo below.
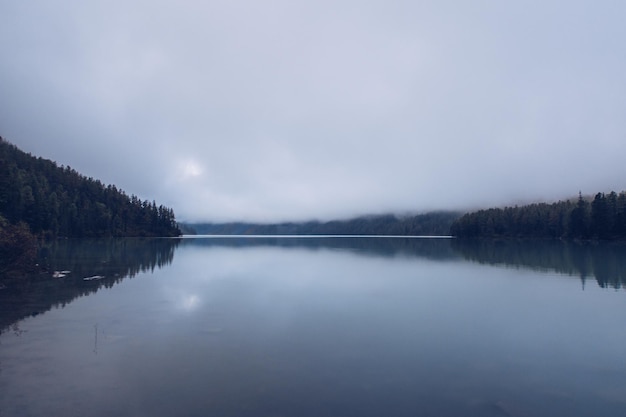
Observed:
{"x":316,"y":326}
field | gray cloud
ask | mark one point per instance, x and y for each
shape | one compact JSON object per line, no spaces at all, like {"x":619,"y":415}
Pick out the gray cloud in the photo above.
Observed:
{"x":294,"y":110}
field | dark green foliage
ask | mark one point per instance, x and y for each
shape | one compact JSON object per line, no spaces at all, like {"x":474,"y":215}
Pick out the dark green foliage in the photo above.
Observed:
{"x":58,"y":201}
{"x":579,"y":220}
{"x":18,"y":248}
{"x":600,"y":219}
{"x":604,"y":218}
{"x":429,"y":224}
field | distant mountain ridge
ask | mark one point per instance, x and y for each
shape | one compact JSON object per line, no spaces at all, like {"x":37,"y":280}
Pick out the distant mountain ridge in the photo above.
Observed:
{"x":428,"y":224}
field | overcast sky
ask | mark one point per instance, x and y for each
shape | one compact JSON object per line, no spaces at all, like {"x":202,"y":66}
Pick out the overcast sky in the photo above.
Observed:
{"x":288,"y":110}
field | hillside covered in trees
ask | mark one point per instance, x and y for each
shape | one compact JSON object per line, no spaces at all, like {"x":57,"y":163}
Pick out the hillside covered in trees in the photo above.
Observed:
{"x":57,"y":201}
{"x":428,"y":224}
{"x":602,"y":217}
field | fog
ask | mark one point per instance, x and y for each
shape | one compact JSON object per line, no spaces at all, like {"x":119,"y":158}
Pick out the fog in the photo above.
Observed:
{"x":270,"y":111}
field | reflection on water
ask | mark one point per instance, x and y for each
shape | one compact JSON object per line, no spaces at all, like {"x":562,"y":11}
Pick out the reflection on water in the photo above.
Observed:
{"x":74,"y":268}
{"x":429,"y":248}
{"x":604,"y":261}
{"x":318,"y":327}
{"x":102,"y":263}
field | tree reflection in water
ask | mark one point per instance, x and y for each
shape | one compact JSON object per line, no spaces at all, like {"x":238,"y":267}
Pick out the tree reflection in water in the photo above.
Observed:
{"x":111,"y":260}
{"x":106,"y":262}
{"x":604,"y":261}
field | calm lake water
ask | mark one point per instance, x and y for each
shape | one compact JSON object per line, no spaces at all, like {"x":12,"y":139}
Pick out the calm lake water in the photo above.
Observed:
{"x":317,"y":327}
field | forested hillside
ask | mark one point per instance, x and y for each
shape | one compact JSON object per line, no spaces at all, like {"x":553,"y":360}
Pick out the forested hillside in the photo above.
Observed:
{"x":58,"y":201}
{"x":601,"y":217}
{"x":428,"y":224}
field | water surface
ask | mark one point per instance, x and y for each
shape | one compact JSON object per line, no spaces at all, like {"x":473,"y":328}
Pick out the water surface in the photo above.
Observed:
{"x":317,"y":327}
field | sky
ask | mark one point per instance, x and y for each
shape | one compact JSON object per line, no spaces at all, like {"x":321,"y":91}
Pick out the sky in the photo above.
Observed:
{"x":295,"y":110}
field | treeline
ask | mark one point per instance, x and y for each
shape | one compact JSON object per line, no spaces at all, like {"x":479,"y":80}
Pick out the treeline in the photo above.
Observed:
{"x":428,"y":224}
{"x":603,"y":218}
{"x":57,"y":201}
{"x":18,"y":248}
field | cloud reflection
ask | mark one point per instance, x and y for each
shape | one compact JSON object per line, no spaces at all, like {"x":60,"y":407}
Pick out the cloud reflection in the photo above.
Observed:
{"x":190,"y":302}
